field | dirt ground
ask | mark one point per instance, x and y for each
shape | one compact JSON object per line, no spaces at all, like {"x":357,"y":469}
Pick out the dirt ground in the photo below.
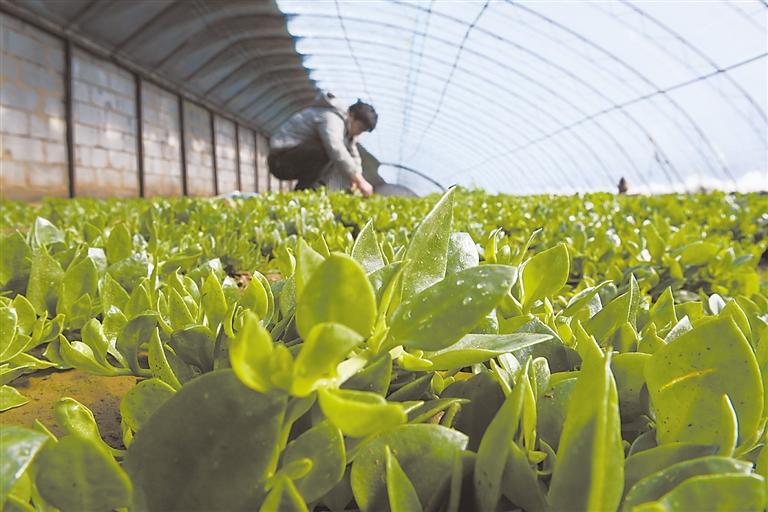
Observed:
{"x":100,"y":394}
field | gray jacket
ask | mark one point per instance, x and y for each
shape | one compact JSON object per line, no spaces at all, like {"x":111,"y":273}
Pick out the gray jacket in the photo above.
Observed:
{"x":323,"y":122}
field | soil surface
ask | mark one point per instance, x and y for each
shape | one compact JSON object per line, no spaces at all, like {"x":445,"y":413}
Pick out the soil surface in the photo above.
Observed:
{"x":100,"y":394}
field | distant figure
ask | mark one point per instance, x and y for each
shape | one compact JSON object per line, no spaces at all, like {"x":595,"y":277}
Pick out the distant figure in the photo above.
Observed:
{"x":623,"y":187}
{"x":318,"y":146}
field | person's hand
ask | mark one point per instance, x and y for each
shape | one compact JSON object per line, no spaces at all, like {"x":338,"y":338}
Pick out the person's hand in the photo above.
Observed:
{"x":362,"y":185}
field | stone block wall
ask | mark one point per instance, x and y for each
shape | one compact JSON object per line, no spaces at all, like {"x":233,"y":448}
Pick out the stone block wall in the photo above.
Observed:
{"x":33,"y":129}
{"x":162,"y":146}
{"x":104,"y":118}
{"x":198,"y":142}
{"x":226,"y":155}
{"x":247,"y":160}
{"x":32,"y":113}
{"x":262,"y":168}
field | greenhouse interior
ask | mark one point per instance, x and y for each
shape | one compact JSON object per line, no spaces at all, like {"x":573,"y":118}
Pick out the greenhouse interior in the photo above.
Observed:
{"x":383,"y":255}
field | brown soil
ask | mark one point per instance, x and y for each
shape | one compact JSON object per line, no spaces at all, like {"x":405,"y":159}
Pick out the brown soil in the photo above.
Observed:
{"x":100,"y":394}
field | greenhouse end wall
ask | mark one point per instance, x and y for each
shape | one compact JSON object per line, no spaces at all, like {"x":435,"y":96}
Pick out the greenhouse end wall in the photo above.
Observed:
{"x":111,"y":108}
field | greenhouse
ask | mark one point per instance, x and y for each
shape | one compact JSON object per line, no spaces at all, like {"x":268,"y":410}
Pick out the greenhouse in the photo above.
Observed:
{"x":419,"y":255}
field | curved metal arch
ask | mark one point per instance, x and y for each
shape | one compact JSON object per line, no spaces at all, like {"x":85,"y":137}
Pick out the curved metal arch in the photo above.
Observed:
{"x":414,"y":171}
{"x":685,"y":42}
{"x":536,"y":107}
{"x":526,"y":78}
{"x":459,"y":135}
{"x":559,"y":68}
{"x":582,"y":142}
{"x":642,"y":76}
{"x":185,"y":52}
{"x":178,"y":14}
{"x":478,"y":128}
{"x":412,"y":78}
{"x":291,"y":105}
{"x":280,"y":49}
{"x":490,"y":114}
{"x":233,"y":70}
{"x":251,"y":75}
{"x":268,"y":77}
{"x":452,"y":70}
{"x":255,"y":110}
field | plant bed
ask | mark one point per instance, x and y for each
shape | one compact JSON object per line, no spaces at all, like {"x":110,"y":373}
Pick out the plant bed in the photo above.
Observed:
{"x":471,"y":352}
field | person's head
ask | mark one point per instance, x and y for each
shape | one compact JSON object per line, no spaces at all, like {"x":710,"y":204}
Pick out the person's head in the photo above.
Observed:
{"x":362,"y":117}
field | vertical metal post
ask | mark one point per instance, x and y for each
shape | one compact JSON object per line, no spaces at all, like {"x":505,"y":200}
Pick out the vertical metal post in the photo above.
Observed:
{"x":255,"y":139}
{"x":139,"y":135}
{"x":213,"y":154}
{"x":68,"y":116}
{"x":183,"y":146}
{"x":237,"y":159}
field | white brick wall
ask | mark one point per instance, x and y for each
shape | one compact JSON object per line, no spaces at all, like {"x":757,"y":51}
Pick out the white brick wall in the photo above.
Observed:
{"x":33,"y":129}
{"x":32,"y":126}
{"x":247,"y":159}
{"x":162,"y":154}
{"x":262,"y":152}
{"x":197,"y":126}
{"x":104,"y":106}
{"x":226,"y":163}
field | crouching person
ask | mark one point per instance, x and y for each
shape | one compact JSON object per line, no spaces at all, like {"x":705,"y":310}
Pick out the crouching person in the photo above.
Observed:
{"x":318,"y":146}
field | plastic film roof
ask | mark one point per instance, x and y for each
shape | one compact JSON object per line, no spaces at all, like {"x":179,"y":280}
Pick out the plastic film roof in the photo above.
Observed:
{"x":529,"y":97}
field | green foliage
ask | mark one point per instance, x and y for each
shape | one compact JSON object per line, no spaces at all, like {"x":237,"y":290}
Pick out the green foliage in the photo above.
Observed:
{"x":463,"y":353}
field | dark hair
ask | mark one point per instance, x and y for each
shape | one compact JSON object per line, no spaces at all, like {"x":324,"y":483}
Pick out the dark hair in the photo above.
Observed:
{"x":364,"y":113}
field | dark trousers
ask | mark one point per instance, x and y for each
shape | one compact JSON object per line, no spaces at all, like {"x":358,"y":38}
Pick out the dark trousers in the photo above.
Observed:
{"x":303,"y":163}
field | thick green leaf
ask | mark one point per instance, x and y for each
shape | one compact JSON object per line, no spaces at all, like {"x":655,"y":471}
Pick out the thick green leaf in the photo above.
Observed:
{"x":195,"y":346}
{"x":520,"y":483}
{"x":688,"y":377}
{"x":615,"y":314}
{"x":494,"y":448}
{"x":135,"y":333}
{"x":323,"y":444}
{"x":339,"y":291}
{"x":462,"y":253}
{"x":591,"y":437}
{"x":544,"y":274}
{"x":214,"y":303}
{"x":142,"y":400}
{"x":366,"y":249}
{"x":658,"y":484}
{"x":284,"y":497}
{"x":218,"y":464}
{"x":250,"y":353}
{"x":478,"y":348}
{"x":402,"y":496}
{"x":374,"y":377}
{"x":443,"y":313}
{"x":307,"y":262}
{"x":326,"y":345}
{"x":75,"y":475}
{"x":360,"y":413}
{"x":648,"y":462}
{"x":14,"y":262}
{"x":10,"y":398}
{"x":44,"y":277}
{"x":425,"y":453}
{"x":119,"y":243}
{"x":714,"y":492}
{"x":18,"y":446}
{"x":45,"y":233}
{"x":427,"y":254}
